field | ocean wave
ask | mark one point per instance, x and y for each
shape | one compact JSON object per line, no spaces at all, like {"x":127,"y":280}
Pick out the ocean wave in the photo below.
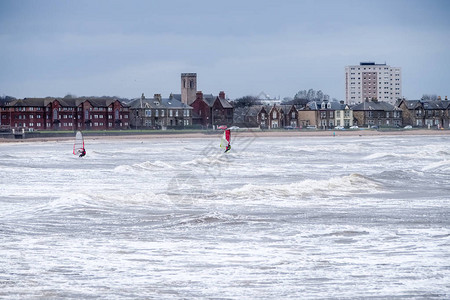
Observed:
{"x":342,"y":233}
{"x":219,"y":159}
{"x":336,"y":186}
{"x":211,"y":218}
{"x":70,"y":203}
{"x":397,"y":174}
{"x":443,"y":165}
{"x":82,"y":203}
{"x":144,"y":166}
{"x":412,"y":155}
{"x":379,"y":155}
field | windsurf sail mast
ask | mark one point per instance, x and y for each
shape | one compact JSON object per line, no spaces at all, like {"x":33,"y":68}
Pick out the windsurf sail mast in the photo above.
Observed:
{"x":225,"y":142}
{"x":78,"y":145}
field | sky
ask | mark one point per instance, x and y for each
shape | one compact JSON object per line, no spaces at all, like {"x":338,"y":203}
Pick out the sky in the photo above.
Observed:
{"x":243,"y":47}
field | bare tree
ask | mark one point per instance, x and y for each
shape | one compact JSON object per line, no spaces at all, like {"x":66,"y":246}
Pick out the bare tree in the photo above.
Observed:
{"x":429,"y":97}
{"x":246,"y":101}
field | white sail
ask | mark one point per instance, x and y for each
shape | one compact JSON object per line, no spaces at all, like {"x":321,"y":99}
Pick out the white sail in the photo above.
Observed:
{"x":78,"y":144}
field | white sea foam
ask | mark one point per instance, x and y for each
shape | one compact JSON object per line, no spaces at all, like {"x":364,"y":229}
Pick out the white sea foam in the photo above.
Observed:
{"x":345,"y":185}
{"x":443,"y":165}
{"x":218,"y":159}
{"x":304,"y":218}
{"x":144,"y":166}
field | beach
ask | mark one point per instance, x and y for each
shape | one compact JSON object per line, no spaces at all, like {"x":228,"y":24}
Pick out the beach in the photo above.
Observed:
{"x":240,"y":133}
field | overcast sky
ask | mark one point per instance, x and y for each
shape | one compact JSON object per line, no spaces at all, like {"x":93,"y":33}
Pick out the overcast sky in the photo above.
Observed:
{"x":125,"y":48}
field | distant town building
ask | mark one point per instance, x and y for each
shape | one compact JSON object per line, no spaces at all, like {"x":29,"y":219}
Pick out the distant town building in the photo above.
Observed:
{"x":65,"y":114}
{"x":426,"y":113}
{"x":247,"y":116}
{"x":277,"y":116}
{"x":369,"y":80}
{"x":212,"y":111}
{"x":377,"y":113}
{"x":266,"y":99}
{"x":188,"y":87}
{"x":159,"y":113}
{"x":326,"y":114}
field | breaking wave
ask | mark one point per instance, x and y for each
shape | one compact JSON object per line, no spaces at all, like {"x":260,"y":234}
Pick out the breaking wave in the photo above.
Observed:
{"x":337,"y":186}
{"x":208,"y":160}
{"x":441,"y":165}
{"x":145,"y":166}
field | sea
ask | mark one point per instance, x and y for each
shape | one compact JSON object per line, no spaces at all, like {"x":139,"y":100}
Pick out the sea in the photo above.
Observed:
{"x":330,"y":217}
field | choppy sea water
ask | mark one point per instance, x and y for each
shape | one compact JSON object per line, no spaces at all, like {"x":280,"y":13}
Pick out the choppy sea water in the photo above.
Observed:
{"x":275,"y":218}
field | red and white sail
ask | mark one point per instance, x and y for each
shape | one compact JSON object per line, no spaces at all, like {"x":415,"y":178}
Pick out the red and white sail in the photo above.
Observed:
{"x":226,"y":139}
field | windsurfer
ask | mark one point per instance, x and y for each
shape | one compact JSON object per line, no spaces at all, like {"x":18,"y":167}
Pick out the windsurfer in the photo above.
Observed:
{"x":225,"y":141}
{"x":82,"y":152}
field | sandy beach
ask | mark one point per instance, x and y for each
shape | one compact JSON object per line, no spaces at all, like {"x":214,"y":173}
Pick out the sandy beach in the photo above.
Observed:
{"x":249,"y":133}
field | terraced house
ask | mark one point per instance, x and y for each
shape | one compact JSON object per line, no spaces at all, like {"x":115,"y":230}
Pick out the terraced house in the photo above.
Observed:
{"x":65,"y":114}
{"x":425,"y":113}
{"x":160,"y":113}
{"x":212,"y":111}
{"x":377,"y":113}
{"x":326,"y":114}
{"x":277,"y":116}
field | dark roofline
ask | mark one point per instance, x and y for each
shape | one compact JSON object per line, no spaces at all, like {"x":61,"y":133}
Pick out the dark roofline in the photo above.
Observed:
{"x":369,"y":63}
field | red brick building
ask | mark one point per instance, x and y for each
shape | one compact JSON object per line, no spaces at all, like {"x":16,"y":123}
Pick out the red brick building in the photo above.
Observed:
{"x":65,"y":114}
{"x":210,"y":111}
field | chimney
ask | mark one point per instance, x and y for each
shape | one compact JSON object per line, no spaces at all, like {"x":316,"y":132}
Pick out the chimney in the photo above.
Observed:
{"x":341,"y":102}
{"x":199,"y":95}
{"x":157,"y":97}
{"x":222,"y":95}
{"x":446,"y":98}
{"x":142,"y":98}
{"x":439,"y":98}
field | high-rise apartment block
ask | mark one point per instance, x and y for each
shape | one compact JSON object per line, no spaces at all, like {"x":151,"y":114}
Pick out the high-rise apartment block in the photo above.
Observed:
{"x":369,"y":80}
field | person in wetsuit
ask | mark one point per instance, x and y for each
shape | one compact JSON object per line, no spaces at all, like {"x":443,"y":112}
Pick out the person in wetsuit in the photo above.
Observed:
{"x":82,"y":152}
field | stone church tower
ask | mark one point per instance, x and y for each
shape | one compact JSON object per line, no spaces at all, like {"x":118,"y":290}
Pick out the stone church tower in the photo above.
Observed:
{"x":188,"y":87}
